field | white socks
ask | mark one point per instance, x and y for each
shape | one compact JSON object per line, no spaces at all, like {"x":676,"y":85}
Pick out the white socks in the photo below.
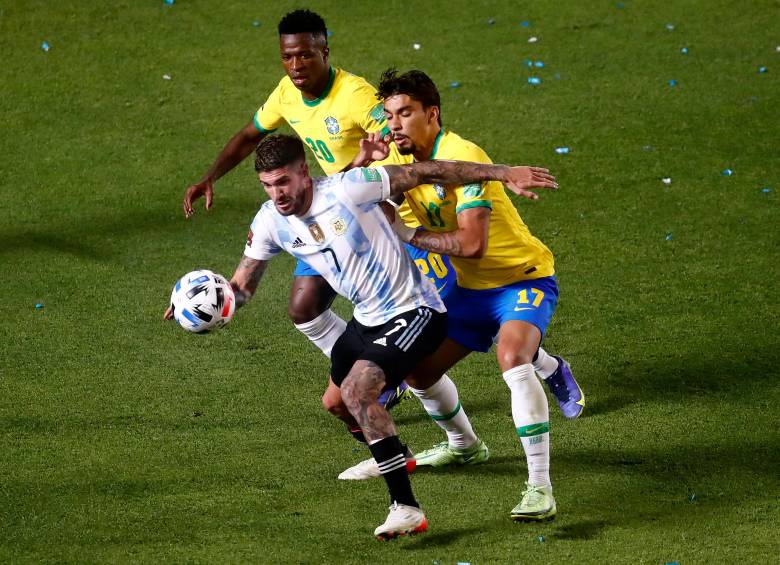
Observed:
{"x":324,"y":330}
{"x":441,"y":403}
{"x":544,"y":364}
{"x":531,"y":417}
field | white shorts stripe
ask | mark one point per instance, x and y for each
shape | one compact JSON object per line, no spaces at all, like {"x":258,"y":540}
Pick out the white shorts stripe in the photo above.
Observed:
{"x":416,"y":332}
{"x":419,"y":319}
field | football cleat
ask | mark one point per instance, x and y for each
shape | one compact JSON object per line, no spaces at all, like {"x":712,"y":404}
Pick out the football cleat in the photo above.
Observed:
{"x":442,"y":454}
{"x":537,"y":505}
{"x":402,"y":520}
{"x":368,"y":469}
{"x":565,"y":389}
{"x":390,"y":398}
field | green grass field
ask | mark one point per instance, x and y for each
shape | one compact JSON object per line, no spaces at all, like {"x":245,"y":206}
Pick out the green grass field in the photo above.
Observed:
{"x":124,"y":439}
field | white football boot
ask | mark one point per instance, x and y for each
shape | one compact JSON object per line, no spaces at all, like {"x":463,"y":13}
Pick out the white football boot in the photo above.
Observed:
{"x":402,"y":520}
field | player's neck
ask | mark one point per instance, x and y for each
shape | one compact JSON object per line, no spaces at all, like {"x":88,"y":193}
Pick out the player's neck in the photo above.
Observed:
{"x":425,"y":150}
{"x":319,"y":89}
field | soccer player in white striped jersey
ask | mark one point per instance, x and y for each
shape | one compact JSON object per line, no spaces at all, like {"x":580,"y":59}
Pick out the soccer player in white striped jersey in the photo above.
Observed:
{"x":337,"y":226}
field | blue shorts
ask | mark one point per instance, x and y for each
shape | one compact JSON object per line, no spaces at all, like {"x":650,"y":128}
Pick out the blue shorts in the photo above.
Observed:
{"x":302,"y":269}
{"x":475,"y":316}
{"x":434,"y":266}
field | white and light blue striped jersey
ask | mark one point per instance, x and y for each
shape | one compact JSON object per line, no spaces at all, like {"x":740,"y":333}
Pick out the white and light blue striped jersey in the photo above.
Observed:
{"x":346,"y":237}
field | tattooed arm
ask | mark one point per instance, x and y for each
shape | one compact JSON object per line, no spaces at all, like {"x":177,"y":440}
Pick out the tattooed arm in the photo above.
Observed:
{"x":469,"y":240}
{"x":518,"y":179}
{"x":246,"y":278}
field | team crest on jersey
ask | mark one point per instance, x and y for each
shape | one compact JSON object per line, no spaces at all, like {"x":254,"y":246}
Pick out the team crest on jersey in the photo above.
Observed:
{"x":339,"y":226}
{"x":316,"y":232}
{"x":441,"y":192}
{"x":473,"y":190}
{"x":332,"y":124}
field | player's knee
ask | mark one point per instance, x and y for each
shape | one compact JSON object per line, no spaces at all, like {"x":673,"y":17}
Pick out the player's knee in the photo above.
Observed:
{"x":302,"y":310}
{"x":508,"y":358}
{"x":333,"y":404}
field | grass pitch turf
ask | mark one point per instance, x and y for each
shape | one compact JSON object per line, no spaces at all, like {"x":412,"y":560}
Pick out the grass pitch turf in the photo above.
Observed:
{"x":123,"y":439}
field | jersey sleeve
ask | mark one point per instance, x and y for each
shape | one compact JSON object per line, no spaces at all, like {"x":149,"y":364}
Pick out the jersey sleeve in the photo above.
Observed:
{"x":367,"y":112}
{"x":477,"y":194}
{"x":366,"y":185}
{"x":269,"y":116}
{"x":260,"y":244}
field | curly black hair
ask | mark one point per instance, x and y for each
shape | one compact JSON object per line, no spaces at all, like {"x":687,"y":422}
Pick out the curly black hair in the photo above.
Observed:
{"x":415,"y":84}
{"x":303,"y":21}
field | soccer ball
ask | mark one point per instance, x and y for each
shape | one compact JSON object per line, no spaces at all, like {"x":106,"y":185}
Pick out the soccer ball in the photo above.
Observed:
{"x":202,"y":301}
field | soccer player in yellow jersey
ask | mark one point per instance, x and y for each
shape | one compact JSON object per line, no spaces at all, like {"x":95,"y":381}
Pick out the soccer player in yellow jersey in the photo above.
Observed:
{"x":506,"y":287}
{"x":331,"y":110}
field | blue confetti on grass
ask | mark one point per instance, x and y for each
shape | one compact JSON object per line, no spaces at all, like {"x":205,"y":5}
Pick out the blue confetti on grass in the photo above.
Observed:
{"x":562,"y":150}
{"x":672,"y":83}
{"x":525,"y":24}
{"x":169,"y":2}
{"x":727,"y":172}
{"x":255,"y":23}
{"x":45,"y":46}
{"x":668,"y":236}
{"x":38,"y":306}
{"x":329,"y":33}
{"x":763,"y":70}
{"x":538,"y":64}
{"x":455,"y":84}
{"x":684,"y":50}
{"x":491,"y":21}
{"x":670,"y":27}
{"x":541,"y":539}
{"x":534,"y":80}
{"x":766,"y":190}
{"x":620,"y":5}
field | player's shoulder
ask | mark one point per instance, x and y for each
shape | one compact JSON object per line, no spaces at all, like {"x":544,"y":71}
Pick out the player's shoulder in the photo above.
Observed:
{"x":453,"y":146}
{"x":352,"y":81}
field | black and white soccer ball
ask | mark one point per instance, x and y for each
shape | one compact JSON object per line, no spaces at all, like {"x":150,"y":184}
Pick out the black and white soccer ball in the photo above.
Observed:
{"x":202,"y":301}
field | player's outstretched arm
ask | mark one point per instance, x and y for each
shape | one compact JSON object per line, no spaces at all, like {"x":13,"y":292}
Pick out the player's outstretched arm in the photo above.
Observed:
{"x":246,"y":278}
{"x":519,"y":179}
{"x":236,"y":150}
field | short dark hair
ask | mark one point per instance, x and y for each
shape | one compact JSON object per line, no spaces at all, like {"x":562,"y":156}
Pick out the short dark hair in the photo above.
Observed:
{"x":277,"y":151}
{"x":415,"y":84}
{"x":303,"y":21}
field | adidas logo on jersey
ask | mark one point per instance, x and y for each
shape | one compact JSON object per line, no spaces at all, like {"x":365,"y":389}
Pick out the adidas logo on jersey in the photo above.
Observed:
{"x":298,"y":243}
{"x":381,"y":341}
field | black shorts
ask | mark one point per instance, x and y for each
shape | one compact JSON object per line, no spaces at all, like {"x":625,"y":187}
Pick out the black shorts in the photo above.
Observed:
{"x":396,"y":346}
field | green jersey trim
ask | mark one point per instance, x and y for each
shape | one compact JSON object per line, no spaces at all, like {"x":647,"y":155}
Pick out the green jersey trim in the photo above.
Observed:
{"x":474,"y":204}
{"x":325,"y":92}
{"x":436,"y":143}
{"x":260,"y":128}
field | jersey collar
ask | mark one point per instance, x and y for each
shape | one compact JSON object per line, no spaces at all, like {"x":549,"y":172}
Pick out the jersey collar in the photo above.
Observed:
{"x":328,"y":87}
{"x":436,"y":143}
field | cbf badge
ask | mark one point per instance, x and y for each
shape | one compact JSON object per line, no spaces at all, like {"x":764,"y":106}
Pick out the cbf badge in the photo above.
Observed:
{"x":440,"y":191}
{"x":332,"y":124}
{"x":316,"y":232}
{"x":339,"y":226}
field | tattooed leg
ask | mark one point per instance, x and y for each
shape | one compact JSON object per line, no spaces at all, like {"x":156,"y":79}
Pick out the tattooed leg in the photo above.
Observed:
{"x":360,"y":391}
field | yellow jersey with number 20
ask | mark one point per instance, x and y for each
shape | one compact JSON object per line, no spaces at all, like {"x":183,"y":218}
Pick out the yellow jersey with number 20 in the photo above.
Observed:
{"x":333,"y":124}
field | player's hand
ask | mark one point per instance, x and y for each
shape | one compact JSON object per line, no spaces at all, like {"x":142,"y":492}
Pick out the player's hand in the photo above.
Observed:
{"x":521,"y":179}
{"x":195,"y":191}
{"x":168,"y":313}
{"x":375,"y":147}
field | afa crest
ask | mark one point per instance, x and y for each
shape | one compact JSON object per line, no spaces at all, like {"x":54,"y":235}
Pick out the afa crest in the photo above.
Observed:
{"x":339,"y":226}
{"x":332,"y":124}
{"x":441,"y":192}
{"x":316,"y":232}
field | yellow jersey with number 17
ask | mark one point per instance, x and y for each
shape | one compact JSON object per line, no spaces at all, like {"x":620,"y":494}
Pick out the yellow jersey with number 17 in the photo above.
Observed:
{"x":512,"y":253}
{"x":333,"y":124}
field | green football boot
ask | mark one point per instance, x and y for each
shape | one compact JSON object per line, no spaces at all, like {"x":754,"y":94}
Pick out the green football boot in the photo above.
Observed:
{"x":537,"y":505}
{"x":442,"y":454}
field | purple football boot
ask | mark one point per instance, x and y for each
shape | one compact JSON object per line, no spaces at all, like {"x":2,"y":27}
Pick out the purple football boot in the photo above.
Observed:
{"x":566,"y":390}
{"x":392,"y":397}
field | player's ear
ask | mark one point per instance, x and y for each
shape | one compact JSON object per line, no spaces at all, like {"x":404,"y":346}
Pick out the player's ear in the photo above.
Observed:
{"x":433,"y":114}
{"x":325,"y":53}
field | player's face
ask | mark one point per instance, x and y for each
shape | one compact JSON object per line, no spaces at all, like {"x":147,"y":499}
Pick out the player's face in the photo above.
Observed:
{"x":289,"y":188}
{"x":305,"y":59}
{"x":410,"y":124}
